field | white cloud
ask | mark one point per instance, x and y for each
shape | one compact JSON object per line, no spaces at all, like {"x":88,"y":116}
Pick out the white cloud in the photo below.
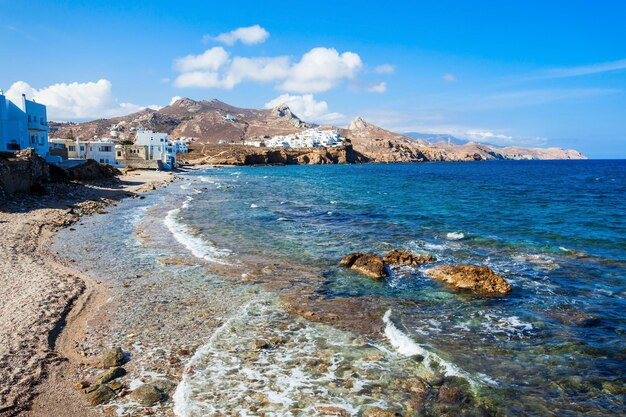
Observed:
{"x":247,"y":35}
{"x":307,"y":108}
{"x":75,"y":101}
{"x":377,"y":88}
{"x":385,"y":69}
{"x":174,"y":100}
{"x":500,"y":139}
{"x":449,"y":78}
{"x":211,"y":59}
{"x":320,"y":69}
{"x":583,"y":70}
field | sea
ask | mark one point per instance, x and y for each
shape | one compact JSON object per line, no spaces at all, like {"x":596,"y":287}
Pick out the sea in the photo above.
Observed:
{"x":297,"y":333}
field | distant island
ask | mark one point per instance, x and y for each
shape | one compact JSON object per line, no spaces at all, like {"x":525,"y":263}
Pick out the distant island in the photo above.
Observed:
{"x":214,"y":127}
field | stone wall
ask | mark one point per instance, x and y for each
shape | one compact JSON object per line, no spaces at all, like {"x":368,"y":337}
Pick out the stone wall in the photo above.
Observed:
{"x":141,"y":164}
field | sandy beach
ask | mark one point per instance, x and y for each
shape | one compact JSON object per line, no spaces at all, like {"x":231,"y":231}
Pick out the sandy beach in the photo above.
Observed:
{"x":44,"y":301}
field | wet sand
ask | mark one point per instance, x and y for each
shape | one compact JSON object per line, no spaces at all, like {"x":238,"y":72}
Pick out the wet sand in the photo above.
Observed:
{"x":45,"y":302}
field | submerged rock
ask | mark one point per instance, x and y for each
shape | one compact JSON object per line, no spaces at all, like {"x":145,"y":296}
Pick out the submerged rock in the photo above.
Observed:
{"x":478,"y":279}
{"x":398,"y":257}
{"x":332,"y":411}
{"x":112,"y":357}
{"x":380,"y":412}
{"x":99,"y":395}
{"x":454,"y":390}
{"x":368,"y":264}
{"x":147,"y":395}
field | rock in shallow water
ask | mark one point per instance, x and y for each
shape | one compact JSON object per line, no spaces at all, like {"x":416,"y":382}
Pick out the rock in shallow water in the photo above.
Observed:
{"x":99,"y":395}
{"x":368,"y":264}
{"x":147,"y":395}
{"x":402,"y":257}
{"x":380,"y":412}
{"x":478,"y":279}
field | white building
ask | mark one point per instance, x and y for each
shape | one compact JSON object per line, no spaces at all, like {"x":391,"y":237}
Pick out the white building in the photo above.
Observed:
{"x":180,"y":146}
{"x":102,"y":151}
{"x":23,"y":125}
{"x":310,"y":138}
{"x":159,"y":147}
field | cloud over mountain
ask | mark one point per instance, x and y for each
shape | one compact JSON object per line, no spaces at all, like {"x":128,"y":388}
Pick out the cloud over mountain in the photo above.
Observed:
{"x":318,"y":70}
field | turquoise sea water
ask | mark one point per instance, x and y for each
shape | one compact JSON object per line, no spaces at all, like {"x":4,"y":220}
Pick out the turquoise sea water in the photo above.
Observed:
{"x":556,"y":230}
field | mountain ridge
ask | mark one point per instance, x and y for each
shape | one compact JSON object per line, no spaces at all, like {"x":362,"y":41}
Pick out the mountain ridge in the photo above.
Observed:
{"x":213,"y":121}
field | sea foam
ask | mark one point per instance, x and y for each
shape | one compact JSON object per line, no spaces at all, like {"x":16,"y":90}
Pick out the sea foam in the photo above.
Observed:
{"x":194,"y":244}
{"x":455,"y":236}
{"x":406,"y":346}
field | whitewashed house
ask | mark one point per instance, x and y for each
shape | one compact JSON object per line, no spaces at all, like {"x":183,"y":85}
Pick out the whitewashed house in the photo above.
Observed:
{"x":159,"y":147}
{"x":23,"y":125}
{"x":102,"y":151}
{"x":310,"y":138}
{"x":180,"y":146}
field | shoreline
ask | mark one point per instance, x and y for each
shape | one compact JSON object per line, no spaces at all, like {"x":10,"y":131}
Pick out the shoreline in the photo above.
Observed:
{"x":46,"y":302}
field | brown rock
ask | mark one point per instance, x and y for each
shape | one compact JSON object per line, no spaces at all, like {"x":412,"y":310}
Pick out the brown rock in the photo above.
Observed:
{"x":332,"y":411}
{"x":99,"y":395}
{"x":371,"y":265}
{"x":368,"y":264}
{"x":397,"y":257}
{"x":350,"y":258}
{"x":147,"y":395}
{"x":380,"y":412}
{"x":112,"y":357}
{"x":478,"y":279}
{"x":454,"y":390}
{"x":110,"y":374}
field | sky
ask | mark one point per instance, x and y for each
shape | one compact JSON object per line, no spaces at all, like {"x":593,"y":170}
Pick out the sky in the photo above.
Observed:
{"x":531,"y":73}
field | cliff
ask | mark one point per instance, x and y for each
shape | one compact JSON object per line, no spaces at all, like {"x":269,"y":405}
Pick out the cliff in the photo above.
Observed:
{"x":246,"y":155}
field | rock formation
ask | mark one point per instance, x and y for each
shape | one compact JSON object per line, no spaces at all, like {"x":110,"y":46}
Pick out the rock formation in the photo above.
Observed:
{"x":368,"y":264}
{"x":478,"y":279}
{"x":400,"y":257}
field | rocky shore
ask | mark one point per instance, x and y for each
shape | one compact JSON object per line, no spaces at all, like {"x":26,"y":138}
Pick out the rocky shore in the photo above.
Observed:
{"x":43,"y":300}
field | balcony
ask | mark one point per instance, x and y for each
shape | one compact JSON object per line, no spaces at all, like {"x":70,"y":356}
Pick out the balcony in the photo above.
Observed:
{"x":38,"y":125}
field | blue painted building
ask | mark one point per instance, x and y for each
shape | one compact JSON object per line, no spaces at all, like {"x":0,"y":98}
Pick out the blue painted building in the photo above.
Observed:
{"x":23,"y":125}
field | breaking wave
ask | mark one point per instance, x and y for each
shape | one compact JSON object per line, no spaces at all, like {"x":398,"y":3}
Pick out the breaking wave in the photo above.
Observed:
{"x":194,"y":244}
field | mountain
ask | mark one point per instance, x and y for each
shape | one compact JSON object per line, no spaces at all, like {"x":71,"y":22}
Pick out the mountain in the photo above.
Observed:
{"x":208,"y":121}
{"x":381,"y":145}
{"x":436,"y":137}
{"x":213,"y":121}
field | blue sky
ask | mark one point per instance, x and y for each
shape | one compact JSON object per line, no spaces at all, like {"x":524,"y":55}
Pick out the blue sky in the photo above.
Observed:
{"x":530,"y":73}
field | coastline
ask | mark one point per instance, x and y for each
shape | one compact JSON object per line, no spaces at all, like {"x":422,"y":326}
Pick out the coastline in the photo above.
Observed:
{"x":46,"y":302}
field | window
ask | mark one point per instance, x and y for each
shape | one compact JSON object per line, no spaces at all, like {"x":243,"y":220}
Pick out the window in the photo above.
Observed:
{"x":72,"y":148}
{"x":29,"y":118}
{"x":82,"y":148}
{"x":41,"y":140}
{"x":106,"y":148}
